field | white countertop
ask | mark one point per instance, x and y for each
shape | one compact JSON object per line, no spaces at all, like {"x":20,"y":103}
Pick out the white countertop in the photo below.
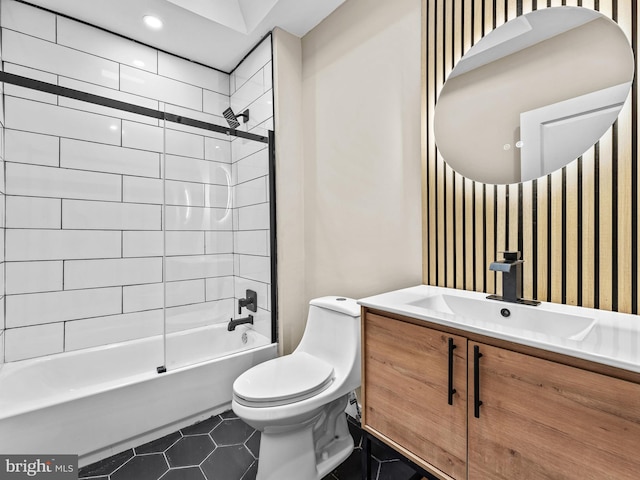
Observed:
{"x":612,"y":339}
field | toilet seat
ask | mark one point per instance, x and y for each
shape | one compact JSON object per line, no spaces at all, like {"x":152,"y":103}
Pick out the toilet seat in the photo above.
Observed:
{"x":283,"y":380}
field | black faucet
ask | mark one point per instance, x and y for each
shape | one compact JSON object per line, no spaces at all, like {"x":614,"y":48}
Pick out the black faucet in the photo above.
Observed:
{"x":511,"y":268}
{"x":240,"y":321}
{"x":251,"y":301}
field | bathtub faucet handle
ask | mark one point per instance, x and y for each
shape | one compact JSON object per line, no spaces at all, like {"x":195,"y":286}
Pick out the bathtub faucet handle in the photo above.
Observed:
{"x":250,"y":301}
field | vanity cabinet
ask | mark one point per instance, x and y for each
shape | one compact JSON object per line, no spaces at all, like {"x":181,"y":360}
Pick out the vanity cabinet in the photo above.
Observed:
{"x":513,"y":415}
{"x":410,"y":373}
{"x":541,"y":419}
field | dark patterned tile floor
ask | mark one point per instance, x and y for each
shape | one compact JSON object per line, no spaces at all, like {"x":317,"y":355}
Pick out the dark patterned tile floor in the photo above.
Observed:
{"x":223,"y":447}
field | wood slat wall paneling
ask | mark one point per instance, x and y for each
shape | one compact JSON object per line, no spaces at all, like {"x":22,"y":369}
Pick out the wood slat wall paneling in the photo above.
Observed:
{"x":577,"y":227}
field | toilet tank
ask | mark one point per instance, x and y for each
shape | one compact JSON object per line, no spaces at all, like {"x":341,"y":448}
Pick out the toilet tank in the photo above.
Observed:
{"x":332,"y":332}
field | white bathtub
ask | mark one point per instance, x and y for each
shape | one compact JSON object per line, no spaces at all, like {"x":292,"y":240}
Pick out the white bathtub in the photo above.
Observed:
{"x":100,"y":401}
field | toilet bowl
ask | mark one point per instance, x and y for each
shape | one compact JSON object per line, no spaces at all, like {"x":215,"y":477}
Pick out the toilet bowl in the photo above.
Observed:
{"x":298,"y":401}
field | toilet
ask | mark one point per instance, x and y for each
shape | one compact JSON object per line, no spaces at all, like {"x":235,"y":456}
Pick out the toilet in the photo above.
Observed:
{"x":298,"y":401}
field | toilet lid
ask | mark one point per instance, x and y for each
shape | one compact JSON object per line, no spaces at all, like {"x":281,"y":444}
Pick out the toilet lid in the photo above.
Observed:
{"x":283,"y":380}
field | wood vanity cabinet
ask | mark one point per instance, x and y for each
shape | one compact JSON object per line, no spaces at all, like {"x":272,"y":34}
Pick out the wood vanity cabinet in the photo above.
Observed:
{"x":522,"y":417}
{"x":406,"y":392}
{"x":541,"y":419}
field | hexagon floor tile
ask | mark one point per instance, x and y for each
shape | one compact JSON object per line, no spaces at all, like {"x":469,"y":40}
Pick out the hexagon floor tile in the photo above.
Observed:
{"x":223,"y":447}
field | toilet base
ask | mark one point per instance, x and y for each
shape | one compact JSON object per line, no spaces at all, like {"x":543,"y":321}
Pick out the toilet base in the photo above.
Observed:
{"x":309,"y":452}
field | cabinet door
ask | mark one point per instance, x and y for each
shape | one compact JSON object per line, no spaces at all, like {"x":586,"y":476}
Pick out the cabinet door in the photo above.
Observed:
{"x":543,"y":420}
{"x":406,"y":391}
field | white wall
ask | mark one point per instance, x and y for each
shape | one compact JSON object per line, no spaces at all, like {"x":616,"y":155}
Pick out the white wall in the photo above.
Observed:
{"x":292,"y":309}
{"x":361,"y":162}
{"x":84,"y":237}
{"x":361,"y":107}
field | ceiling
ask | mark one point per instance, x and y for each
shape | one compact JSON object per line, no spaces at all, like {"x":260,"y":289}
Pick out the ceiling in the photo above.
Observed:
{"x":217,"y":33}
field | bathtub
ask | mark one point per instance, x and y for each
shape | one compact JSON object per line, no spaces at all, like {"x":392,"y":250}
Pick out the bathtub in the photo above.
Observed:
{"x":103,"y":400}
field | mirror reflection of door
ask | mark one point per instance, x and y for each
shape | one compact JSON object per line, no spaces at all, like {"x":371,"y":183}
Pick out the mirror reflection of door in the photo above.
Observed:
{"x":572,"y":62}
{"x":553,"y":133}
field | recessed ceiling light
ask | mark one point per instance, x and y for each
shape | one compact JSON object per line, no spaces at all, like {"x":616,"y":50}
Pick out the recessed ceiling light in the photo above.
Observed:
{"x":152,"y":22}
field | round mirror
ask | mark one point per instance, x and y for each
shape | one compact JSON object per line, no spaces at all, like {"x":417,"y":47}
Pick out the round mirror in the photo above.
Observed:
{"x":533,"y":95}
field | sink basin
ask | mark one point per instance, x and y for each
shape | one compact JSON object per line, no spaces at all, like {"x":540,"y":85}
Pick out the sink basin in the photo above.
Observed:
{"x":600,"y":336}
{"x":505,"y":316}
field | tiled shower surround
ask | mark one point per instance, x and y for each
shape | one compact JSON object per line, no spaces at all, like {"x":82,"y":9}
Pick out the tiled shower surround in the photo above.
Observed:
{"x":89,"y":259}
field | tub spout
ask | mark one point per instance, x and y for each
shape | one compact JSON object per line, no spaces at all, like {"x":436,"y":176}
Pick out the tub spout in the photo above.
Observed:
{"x":240,"y":321}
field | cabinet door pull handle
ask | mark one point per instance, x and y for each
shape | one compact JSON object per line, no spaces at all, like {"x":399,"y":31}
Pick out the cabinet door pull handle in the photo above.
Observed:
{"x":451,"y":390}
{"x":476,"y":381}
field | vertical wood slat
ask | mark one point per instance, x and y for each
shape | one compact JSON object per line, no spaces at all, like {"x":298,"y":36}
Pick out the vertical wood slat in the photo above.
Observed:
{"x":527,"y":6}
{"x":527,"y":238}
{"x":426,"y":118}
{"x":450,"y":34}
{"x":555,"y":249}
{"x":605,"y":231}
{"x":606,"y":205}
{"x":488,"y":16}
{"x":490,"y":240}
{"x":588,"y":220}
{"x":460,"y":238}
{"x":458,"y":31}
{"x":636,"y":134}
{"x":541,"y":240}
{"x":570,"y":238}
{"x":468,"y":222}
{"x":480,"y":264}
{"x":432,"y":159}
{"x":442,"y":251}
{"x":500,"y":14}
{"x":624,"y":185}
{"x":512,"y":206}
{"x":571,"y":234}
{"x":512,"y":9}
{"x":501,"y":227}
{"x":588,"y":226}
{"x":478,"y":30}
{"x":451,"y":232}
{"x":441,"y":43}
{"x":467,"y":20}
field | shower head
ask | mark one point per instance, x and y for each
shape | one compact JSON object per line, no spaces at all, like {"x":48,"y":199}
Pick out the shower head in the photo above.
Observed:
{"x":231,"y":117}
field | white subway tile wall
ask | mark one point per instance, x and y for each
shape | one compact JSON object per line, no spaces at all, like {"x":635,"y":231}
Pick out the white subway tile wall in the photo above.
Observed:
{"x":251,"y":87}
{"x":87,"y":188}
{"x":15,"y":17}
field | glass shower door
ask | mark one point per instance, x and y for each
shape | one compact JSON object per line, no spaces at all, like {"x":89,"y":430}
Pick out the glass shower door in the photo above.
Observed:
{"x":216,"y":213}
